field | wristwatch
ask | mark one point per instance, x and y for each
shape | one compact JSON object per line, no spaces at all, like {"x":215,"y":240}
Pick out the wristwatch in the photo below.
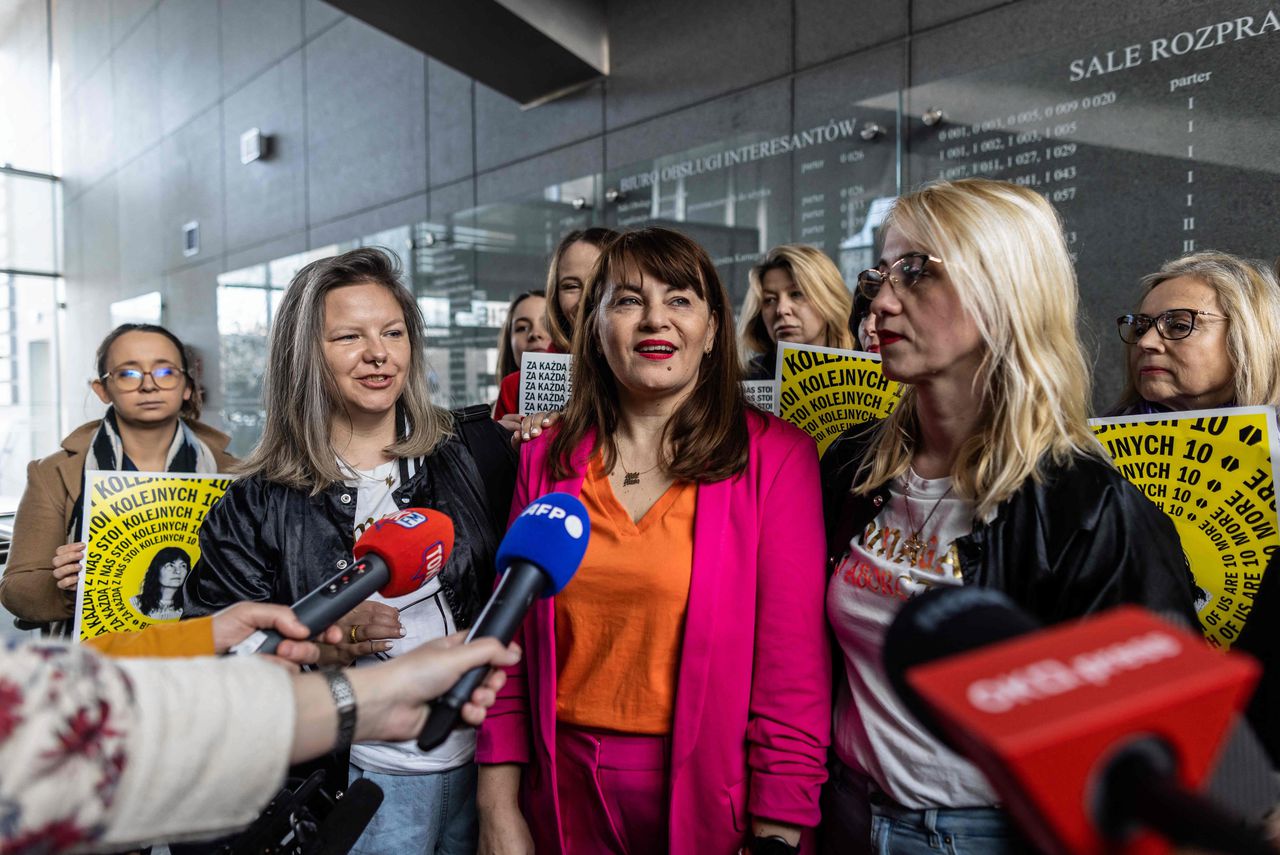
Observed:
{"x":344,"y":698}
{"x":770,"y":845}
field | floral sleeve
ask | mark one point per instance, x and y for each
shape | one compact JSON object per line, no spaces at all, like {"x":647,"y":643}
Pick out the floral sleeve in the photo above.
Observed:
{"x":65,"y":716}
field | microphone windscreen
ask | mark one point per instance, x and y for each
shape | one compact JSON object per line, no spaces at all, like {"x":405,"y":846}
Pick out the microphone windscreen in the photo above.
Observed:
{"x":349,"y":818}
{"x":946,"y":622}
{"x":415,"y":543}
{"x":550,"y":534}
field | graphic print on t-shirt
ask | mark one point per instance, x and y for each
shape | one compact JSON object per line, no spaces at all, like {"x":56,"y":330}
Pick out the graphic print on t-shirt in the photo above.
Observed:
{"x":910,"y":546}
{"x":889,"y":543}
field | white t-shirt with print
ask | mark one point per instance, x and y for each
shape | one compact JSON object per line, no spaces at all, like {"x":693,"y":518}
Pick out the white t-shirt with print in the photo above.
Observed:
{"x":874,"y":732}
{"x":425,"y":616}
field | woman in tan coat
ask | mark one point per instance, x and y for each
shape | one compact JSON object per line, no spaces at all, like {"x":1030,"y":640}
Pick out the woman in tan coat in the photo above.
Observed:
{"x":150,"y":426}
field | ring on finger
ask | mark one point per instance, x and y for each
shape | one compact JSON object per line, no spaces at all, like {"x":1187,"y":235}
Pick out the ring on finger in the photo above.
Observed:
{"x":352,"y":634}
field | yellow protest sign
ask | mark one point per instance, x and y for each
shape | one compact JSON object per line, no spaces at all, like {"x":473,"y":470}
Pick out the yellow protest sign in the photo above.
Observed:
{"x":140,"y":530}
{"x":1214,"y":473}
{"x":825,"y":391}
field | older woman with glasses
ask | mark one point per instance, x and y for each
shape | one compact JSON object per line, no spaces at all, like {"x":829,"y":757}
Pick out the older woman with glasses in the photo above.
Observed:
{"x":986,"y":474}
{"x":151,"y":424}
{"x":1204,"y":336}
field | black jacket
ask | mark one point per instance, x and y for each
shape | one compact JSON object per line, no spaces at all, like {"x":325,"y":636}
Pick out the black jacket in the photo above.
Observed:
{"x":1261,"y":638}
{"x":270,"y":543}
{"x":761,"y":366}
{"x":1080,"y":540}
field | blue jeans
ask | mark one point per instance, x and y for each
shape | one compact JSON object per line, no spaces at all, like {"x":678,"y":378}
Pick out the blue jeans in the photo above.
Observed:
{"x":858,"y":821}
{"x":431,"y":814}
{"x":953,"y":831}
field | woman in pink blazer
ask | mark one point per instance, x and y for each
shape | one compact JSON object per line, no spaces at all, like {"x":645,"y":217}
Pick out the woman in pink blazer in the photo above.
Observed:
{"x":675,"y":697}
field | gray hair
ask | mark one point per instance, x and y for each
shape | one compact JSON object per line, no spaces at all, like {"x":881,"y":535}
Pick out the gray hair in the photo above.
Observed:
{"x":1250,"y":296}
{"x":300,"y":394}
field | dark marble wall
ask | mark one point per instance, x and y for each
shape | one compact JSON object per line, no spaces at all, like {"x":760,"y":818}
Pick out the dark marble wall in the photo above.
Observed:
{"x":371,"y":134}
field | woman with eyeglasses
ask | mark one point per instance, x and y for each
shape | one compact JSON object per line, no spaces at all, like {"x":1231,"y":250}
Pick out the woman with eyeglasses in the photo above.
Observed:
{"x":986,"y":474}
{"x":797,"y":294}
{"x":150,"y":425}
{"x":1204,"y":336}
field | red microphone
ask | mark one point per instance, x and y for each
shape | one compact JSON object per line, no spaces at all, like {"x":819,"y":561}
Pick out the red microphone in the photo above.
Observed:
{"x":396,"y":555}
{"x":1094,"y":732}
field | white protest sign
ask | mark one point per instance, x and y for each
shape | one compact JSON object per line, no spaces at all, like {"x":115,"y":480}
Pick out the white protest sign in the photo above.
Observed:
{"x":544,"y":382}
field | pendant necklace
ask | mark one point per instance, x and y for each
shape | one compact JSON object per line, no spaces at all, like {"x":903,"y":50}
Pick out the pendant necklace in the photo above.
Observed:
{"x":914,"y":545}
{"x":631,"y":479}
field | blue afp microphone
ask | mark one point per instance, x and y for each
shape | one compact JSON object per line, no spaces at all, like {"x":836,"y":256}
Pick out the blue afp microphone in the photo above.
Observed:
{"x":538,"y":557}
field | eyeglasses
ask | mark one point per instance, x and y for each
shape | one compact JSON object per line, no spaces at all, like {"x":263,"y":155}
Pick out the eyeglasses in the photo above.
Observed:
{"x":130,"y":379}
{"x":1171,"y":325}
{"x":913,"y":266}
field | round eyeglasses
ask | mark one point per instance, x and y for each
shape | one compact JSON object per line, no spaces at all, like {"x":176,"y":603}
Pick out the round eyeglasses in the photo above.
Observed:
{"x":1171,"y":325}
{"x":911,"y":267}
{"x":130,"y":379}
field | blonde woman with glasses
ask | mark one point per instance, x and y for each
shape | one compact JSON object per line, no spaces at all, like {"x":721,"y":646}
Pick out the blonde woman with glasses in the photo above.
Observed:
{"x":1204,"y":336}
{"x":797,"y":294}
{"x":986,"y":474}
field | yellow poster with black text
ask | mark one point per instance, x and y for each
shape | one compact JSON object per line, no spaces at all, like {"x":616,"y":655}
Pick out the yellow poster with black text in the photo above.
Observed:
{"x":141,"y":535}
{"x":1214,"y":473}
{"x":825,"y":391}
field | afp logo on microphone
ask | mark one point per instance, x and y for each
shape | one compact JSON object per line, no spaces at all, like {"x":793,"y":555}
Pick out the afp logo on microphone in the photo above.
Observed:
{"x":572,"y":522}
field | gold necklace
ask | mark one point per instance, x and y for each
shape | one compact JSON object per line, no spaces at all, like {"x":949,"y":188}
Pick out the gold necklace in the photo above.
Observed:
{"x":631,"y":479}
{"x":914,"y":545}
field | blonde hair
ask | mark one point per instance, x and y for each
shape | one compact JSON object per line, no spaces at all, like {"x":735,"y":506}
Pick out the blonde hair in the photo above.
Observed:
{"x":1003,"y":248}
{"x":300,"y":395}
{"x":1250,"y":297}
{"x":818,"y":279}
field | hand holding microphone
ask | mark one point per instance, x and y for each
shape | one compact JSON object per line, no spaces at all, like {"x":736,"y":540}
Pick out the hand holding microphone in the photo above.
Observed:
{"x":395,"y":556}
{"x":538,"y":557}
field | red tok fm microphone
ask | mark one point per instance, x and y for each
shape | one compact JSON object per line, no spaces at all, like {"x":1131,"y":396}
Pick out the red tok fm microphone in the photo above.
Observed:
{"x":395,"y":556}
{"x":1094,"y":733}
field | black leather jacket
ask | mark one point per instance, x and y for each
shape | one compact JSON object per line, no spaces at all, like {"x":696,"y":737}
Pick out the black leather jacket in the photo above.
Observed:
{"x":1080,"y":540}
{"x":266,"y":542}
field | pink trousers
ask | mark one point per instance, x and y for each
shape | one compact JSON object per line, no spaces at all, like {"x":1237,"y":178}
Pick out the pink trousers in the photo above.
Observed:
{"x":613,"y":791}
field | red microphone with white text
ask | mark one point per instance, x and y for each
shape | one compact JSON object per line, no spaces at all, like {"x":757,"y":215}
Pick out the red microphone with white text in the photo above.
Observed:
{"x":396,"y":555}
{"x":1095,"y":733}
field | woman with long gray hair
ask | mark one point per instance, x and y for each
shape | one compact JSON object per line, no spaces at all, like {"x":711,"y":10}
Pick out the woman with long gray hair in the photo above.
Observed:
{"x":351,"y":436}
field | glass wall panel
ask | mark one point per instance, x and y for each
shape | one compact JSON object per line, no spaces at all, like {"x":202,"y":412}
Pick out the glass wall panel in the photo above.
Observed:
{"x":27,"y":223}
{"x":28,"y":379}
{"x":247,"y":302}
{"x":1151,"y":141}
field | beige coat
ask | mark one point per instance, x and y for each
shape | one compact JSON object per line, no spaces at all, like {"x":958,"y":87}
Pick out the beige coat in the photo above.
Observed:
{"x":53,"y":489}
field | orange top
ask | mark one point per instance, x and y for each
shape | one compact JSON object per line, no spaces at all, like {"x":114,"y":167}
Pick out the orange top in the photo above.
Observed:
{"x":168,"y":640}
{"x":620,"y":622}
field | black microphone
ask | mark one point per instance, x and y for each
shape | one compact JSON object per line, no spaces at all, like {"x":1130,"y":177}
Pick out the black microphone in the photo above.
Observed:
{"x":348,"y":820}
{"x":395,"y":556}
{"x":541,"y":552}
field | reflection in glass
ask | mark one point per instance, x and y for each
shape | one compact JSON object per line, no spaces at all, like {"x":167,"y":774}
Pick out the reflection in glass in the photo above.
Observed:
{"x":29,"y":426}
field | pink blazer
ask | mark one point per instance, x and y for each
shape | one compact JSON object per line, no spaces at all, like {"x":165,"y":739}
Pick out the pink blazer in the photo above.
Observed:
{"x":753,"y":693}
